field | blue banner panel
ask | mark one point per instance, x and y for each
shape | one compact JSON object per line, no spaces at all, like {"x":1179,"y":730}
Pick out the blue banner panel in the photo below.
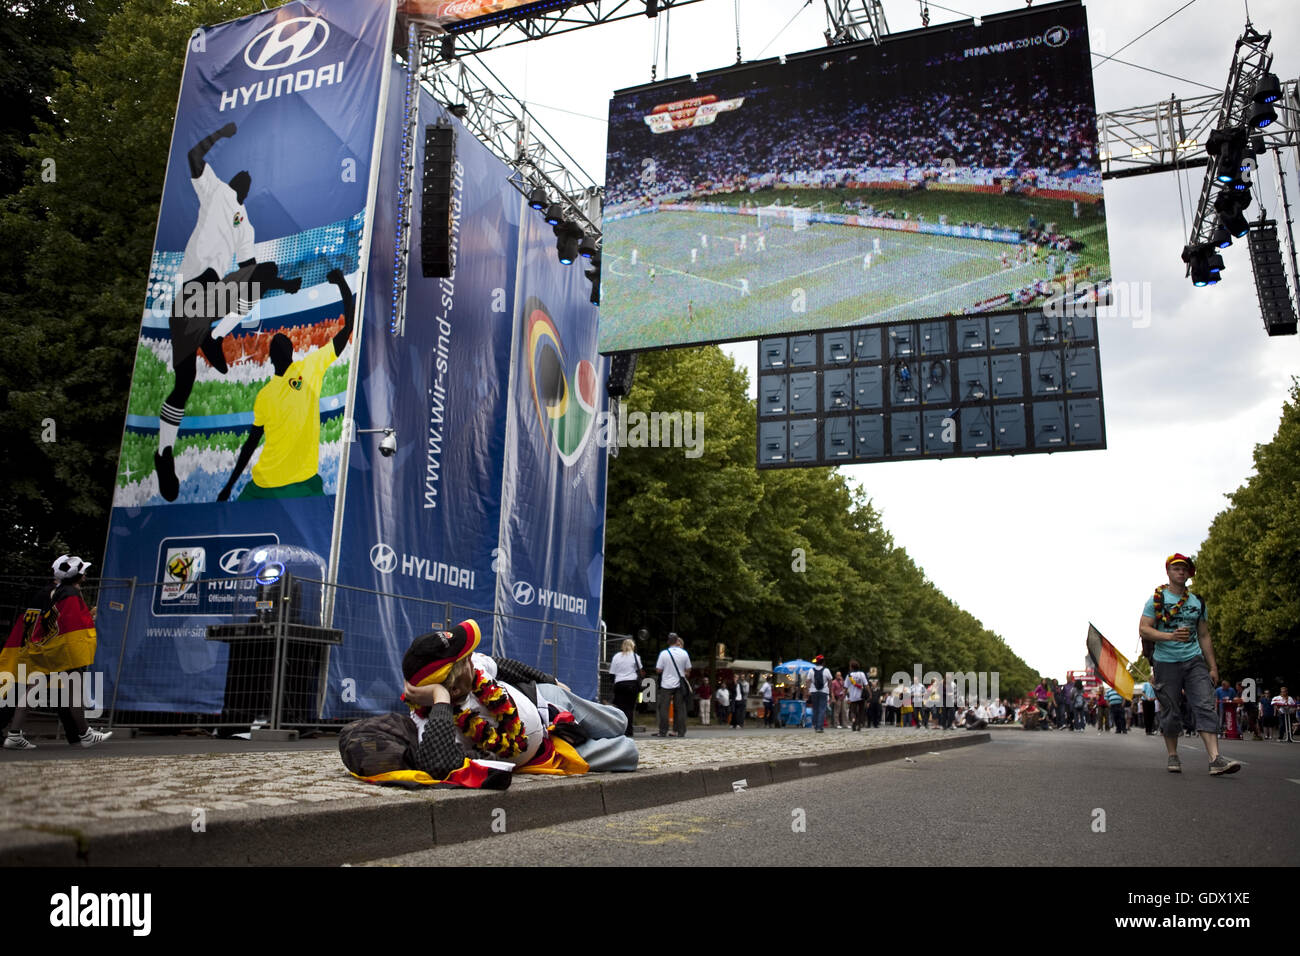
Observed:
{"x":423,"y":523}
{"x":553,"y":497}
{"x":187,"y":562}
{"x":238,"y":398}
{"x":241,"y":372}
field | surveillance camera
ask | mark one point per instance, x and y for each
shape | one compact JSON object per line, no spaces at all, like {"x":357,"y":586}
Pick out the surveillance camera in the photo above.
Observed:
{"x":388,"y":446}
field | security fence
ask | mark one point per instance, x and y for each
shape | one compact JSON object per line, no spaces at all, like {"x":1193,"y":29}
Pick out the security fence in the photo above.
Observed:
{"x":288,"y":652}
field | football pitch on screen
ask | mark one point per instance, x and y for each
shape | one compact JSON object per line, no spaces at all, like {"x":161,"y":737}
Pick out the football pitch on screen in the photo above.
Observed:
{"x":676,"y":277}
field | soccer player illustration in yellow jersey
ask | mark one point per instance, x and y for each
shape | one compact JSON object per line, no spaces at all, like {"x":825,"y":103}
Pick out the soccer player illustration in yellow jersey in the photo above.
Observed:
{"x":287,"y":412}
{"x":209,"y":292}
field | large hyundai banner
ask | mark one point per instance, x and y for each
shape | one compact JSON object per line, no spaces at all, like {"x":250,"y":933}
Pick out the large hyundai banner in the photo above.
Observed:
{"x":553,"y":498}
{"x":423,"y":522}
{"x":252,"y":316}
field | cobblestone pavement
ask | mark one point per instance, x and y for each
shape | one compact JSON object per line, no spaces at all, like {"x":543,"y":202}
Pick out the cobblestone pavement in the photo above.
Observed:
{"x":72,"y":793}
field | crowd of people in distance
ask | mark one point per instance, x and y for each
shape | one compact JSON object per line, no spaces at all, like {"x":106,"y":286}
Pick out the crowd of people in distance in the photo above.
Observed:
{"x":1069,"y":706}
{"x":795,"y":132}
{"x":853,"y":701}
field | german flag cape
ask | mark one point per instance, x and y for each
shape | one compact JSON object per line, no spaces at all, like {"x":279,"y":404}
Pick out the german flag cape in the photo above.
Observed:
{"x":381,"y":749}
{"x":472,"y":774}
{"x":1110,"y":664}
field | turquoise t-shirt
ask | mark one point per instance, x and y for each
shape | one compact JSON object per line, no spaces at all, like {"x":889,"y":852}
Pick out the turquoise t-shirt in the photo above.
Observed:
{"x":1188,"y":616}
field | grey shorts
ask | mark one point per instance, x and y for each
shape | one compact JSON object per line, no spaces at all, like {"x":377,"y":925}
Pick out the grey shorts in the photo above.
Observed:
{"x":1192,"y":677}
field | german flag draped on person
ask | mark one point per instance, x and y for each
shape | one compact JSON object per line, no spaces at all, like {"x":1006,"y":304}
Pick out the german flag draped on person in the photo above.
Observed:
{"x":475,"y":719}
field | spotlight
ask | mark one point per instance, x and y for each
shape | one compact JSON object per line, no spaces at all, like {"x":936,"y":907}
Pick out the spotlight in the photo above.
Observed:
{"x":567,"y":237}
{"x":458,"y":110}
{"x":1206,"y":265}
{"x":1222,"y":237}
{"x":554,"y":213}
{"x":588,"y":246}
{"x":1229,"y":202}
{"x":269,"y":573}
{"x":538,"y":198}
{"x":1236,"y":225}
{"x":1268,"y":89}
{"x":1262,"y":115}
{"x":1233,"y":138}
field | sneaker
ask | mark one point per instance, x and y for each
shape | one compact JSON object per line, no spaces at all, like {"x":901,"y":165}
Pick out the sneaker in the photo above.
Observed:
{"x":1221,"y":765}
{"x":18,"y":742}
{"x":92,"y":737}
{"x":1175,"y":765}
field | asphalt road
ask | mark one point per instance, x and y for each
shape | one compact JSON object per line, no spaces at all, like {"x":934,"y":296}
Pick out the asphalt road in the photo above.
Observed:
{"x":1025,"y":799}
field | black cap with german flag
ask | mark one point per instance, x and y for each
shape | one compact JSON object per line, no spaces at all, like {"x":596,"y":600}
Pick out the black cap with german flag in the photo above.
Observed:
{"x":431,"y":656}
{"x":1181,"y":559}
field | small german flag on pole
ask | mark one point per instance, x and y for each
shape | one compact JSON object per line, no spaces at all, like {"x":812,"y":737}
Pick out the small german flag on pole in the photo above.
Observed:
{"x":1110,"y":664}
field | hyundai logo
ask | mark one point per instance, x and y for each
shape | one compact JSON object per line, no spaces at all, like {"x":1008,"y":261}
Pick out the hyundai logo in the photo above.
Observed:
{"x":287,"y":43}
{"x":523,"y":592}
{"x":1056,"y":36}
{"x":231,"y":560}
{"x":383,"y":558}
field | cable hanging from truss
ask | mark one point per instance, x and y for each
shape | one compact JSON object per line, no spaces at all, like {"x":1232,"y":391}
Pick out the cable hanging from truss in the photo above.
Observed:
{"x":737,"y":31}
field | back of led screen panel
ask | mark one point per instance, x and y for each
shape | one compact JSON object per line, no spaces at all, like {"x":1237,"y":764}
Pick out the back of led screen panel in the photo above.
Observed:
{"x":946,"y":171}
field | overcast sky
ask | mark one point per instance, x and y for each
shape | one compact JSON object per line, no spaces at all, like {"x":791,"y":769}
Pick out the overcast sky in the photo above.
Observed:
{"x":1035,"y":546}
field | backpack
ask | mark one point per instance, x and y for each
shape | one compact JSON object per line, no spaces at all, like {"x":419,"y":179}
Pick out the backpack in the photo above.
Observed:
{"x":382,"y":750}
{"x":819,"y":679}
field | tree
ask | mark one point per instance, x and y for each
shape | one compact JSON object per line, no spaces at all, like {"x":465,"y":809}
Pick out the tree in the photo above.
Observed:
{"x":1245,"y":569}
{"x":777,"y":563}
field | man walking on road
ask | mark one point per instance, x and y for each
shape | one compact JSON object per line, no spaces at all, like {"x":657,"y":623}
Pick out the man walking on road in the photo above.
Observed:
{"x":1116,"y":703}
{"x":1183,"y":661}
{"x":673,"y":665}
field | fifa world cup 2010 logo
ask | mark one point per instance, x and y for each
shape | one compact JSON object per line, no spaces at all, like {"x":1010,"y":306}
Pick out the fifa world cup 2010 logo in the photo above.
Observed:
{"x":181,"y":566}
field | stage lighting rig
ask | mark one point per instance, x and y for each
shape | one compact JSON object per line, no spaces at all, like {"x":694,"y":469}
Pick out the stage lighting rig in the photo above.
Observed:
{"x":1232,"y":147}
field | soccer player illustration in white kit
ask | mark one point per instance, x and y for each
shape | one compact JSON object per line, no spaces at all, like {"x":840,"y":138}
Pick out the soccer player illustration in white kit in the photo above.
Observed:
{"x":222,"y":235}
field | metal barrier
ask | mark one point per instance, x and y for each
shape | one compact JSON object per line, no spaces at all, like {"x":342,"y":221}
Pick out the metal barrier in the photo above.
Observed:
{"x":268,"y":652}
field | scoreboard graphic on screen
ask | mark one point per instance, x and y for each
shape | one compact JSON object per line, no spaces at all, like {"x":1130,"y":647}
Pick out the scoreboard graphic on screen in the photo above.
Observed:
{"x":945,"y":172}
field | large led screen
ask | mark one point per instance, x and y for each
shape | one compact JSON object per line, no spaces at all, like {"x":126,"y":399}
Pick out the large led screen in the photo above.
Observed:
{"x":946,"y":171}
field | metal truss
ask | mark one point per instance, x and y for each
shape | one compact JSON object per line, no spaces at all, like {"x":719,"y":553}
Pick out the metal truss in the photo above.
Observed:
{"x":503,"y":123}
{"x":471,"y":37}
{"x":1171,"y":134}
{"x":1250,"y":62}
{"x":405,"y":183}
{"x":848,"y":21}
